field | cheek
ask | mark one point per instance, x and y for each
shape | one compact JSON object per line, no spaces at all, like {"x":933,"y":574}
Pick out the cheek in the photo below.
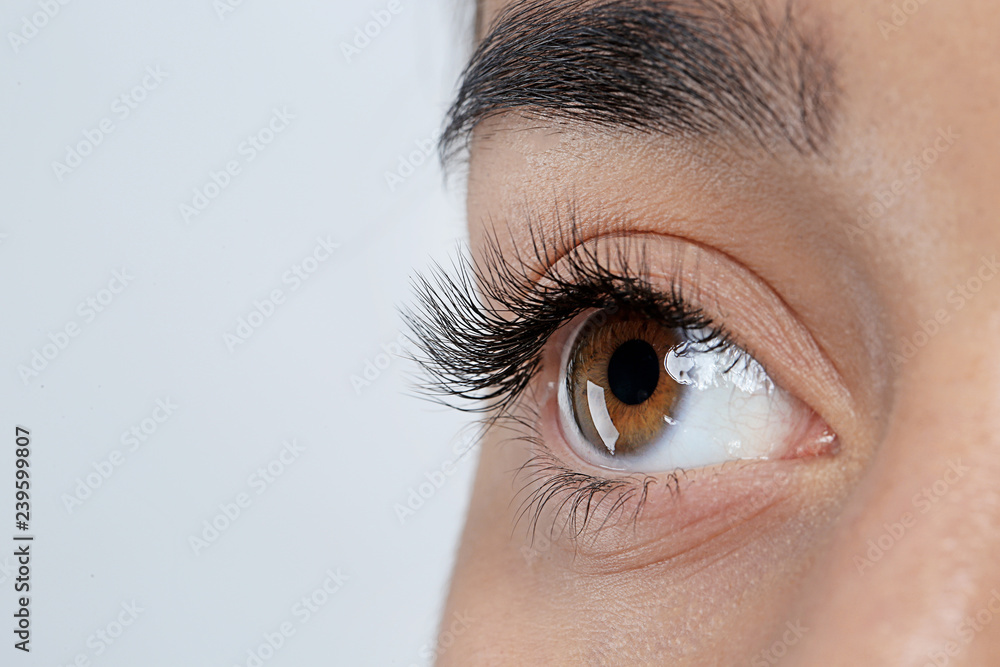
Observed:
{"x":732,"y":565}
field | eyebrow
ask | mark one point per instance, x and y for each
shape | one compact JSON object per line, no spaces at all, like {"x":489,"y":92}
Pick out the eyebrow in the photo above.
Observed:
{"x":684,"y":68}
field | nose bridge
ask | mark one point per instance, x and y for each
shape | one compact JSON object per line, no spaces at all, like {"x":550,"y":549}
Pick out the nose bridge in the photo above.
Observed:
{"x":914,"y":566}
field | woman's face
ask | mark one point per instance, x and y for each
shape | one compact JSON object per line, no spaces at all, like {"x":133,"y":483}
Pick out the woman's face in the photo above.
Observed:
{"x":815,"y":189}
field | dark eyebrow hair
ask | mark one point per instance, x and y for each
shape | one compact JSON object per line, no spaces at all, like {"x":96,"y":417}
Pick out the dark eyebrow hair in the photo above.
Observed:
{"x":681,"y":67}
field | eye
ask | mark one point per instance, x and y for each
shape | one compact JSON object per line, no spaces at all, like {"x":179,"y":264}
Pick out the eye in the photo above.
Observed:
{"x":637,"y":394}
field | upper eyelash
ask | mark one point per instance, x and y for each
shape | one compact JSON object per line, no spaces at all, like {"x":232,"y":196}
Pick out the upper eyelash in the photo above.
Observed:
{"x":485,"y":351}
{"x":480,"y":353}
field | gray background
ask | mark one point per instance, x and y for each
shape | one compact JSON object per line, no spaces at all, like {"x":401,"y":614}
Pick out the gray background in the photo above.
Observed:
{"x":367,"y":447}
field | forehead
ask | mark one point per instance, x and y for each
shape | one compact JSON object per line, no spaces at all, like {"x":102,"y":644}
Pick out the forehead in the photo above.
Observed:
{"x":897,"y":93}
{"x":900,"y":99}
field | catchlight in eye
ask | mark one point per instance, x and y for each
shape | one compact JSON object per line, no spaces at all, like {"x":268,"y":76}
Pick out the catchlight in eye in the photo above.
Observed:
{"x":638,"y":394}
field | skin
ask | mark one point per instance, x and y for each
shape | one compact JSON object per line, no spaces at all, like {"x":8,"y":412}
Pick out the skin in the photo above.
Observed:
{"x":871,"y":554}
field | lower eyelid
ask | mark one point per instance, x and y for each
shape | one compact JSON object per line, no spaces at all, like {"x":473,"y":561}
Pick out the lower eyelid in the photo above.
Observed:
{"x":707,"y":515}
{"x":639,"y":520}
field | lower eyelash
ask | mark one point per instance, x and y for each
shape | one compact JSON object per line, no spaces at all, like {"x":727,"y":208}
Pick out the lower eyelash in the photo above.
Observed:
{"x":581,"y":497}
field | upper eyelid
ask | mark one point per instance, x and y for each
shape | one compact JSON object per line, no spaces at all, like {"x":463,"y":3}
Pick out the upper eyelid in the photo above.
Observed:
{"x":471,"y":347}
{"x":816,"y":378}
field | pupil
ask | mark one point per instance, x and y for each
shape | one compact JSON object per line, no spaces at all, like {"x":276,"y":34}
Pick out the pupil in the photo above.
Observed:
{"x":633,"y":372}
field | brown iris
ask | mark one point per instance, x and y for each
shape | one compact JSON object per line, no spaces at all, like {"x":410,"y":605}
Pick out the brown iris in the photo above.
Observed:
{"x":621,"y":395}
